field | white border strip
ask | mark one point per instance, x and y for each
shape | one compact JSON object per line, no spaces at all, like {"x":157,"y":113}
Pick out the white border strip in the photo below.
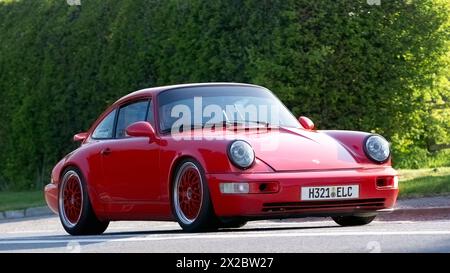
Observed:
{"x":223,"y":236}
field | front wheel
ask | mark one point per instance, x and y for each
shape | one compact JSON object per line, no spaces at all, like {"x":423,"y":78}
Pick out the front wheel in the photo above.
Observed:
{"x":75,"y":209}
{"x":347,"y":221}
{"x":191,"y":202}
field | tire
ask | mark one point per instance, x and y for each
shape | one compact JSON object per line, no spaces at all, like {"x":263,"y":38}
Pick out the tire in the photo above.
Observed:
{"x":232,"y":223}
{"x":75,"y":209}
{"x":191,"y":202}
{"x":348,"y":221}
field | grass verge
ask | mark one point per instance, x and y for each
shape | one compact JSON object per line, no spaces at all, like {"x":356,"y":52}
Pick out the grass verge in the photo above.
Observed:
{"x":21,"y":200}
{"x":424,"y":182}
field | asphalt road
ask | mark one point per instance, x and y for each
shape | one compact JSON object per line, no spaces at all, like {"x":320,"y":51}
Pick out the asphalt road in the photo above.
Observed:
{"x":47,"y":235}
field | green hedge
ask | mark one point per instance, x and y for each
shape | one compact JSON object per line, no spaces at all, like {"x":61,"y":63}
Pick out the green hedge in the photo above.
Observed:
{"x":346,"y":64}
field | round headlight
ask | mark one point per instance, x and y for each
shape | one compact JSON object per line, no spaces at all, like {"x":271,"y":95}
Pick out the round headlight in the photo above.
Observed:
{"x":241,"y":154}
{"x":377,"y":148}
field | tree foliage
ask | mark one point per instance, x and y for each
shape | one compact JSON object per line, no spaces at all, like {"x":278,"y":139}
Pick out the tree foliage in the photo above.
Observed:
{"x":347,"y":64}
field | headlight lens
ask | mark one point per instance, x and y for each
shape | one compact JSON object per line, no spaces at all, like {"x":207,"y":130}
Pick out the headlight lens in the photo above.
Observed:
{"x":241,"y":154}
{"x":377,"y":148}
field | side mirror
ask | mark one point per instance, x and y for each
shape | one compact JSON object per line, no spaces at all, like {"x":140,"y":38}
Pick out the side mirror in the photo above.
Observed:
{"x":306,"y":123}
{"x":141,"y":129}
{"x":80,"y":137}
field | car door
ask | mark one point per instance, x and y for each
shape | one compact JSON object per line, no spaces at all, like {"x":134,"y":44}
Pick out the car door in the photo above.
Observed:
{"x":100,"y":138}
{"x":131,"y":164}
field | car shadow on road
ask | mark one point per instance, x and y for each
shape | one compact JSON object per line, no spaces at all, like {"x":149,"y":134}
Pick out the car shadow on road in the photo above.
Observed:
{"x":224,"y":230}
{"x":68,"y":243}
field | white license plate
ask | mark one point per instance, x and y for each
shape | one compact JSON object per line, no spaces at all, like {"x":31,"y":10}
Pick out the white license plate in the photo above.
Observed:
{"x":330,"y":192}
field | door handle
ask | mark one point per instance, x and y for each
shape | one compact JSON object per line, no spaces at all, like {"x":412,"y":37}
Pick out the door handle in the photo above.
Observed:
{"x":106,"y":151}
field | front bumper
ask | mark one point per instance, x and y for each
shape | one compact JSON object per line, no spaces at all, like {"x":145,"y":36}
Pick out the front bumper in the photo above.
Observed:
{"x":51,"y":196}
{"x":287,"y":202}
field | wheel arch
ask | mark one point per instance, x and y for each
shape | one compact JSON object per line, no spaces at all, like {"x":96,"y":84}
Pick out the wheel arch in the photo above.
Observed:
{"x":174,"y":167}
{"x":97,"y":205}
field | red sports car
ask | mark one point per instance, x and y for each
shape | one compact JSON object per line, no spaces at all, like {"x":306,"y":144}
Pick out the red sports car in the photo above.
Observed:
{"x":216,"y":155}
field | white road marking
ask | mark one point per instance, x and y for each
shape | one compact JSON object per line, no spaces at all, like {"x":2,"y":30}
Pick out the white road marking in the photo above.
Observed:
{"x":61,"y":231}
{"x":223,"y":236}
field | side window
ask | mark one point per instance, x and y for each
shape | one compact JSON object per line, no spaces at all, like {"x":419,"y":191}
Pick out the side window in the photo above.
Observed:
{"x":105,"y":127}
{"x":129,"y":114}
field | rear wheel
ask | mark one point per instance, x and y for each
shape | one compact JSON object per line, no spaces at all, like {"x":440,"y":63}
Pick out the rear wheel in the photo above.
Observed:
{"x":352,"y":220}
{"x":75,"y":209}
{"x":191,"y":202}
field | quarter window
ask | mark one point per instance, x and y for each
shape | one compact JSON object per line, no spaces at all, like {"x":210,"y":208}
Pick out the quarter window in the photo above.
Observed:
{"x":129,"y":114}
{"x":105,"y":127}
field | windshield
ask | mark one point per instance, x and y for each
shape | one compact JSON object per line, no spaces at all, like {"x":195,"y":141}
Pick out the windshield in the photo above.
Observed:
{"x":200,"y":107}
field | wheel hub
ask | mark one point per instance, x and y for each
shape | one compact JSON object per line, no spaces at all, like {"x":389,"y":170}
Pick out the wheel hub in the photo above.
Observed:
{"x":189,"y":193}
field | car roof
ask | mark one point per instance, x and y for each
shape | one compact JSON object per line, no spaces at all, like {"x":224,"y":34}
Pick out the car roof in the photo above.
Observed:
{"x":155,"y":90}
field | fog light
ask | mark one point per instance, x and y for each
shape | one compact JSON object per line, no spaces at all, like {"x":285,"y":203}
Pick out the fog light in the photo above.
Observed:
{"x":382,"y":182}
{"x":387,"y":182}
{"x":234,"y":188}
{"x":265,"y":187}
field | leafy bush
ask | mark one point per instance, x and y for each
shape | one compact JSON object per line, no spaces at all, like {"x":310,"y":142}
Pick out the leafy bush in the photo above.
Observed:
{"x":346,"y":64}
{"x":418,"y":158}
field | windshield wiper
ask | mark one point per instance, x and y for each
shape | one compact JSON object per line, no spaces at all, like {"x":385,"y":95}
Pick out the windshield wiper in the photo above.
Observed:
{"x":224,"y":123}
{"x":240,"y":122}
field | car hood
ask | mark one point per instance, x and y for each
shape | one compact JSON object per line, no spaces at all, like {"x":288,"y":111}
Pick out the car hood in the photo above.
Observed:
{"x":297,"y":149}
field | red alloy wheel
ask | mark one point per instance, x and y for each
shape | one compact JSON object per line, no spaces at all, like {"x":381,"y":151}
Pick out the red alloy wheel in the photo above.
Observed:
{"x":72,"y":197}
{"x":188,"y":193}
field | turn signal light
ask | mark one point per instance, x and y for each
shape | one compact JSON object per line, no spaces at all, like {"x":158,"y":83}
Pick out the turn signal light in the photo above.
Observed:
{"x":234,"y":187}
{"x":390,"y":181}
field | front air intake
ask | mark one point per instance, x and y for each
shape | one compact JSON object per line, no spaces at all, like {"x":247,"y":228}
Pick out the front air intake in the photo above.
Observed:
{"x":370,"y":204}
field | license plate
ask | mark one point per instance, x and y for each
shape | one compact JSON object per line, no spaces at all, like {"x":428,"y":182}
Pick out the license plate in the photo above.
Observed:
{"x":330,"y":192}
